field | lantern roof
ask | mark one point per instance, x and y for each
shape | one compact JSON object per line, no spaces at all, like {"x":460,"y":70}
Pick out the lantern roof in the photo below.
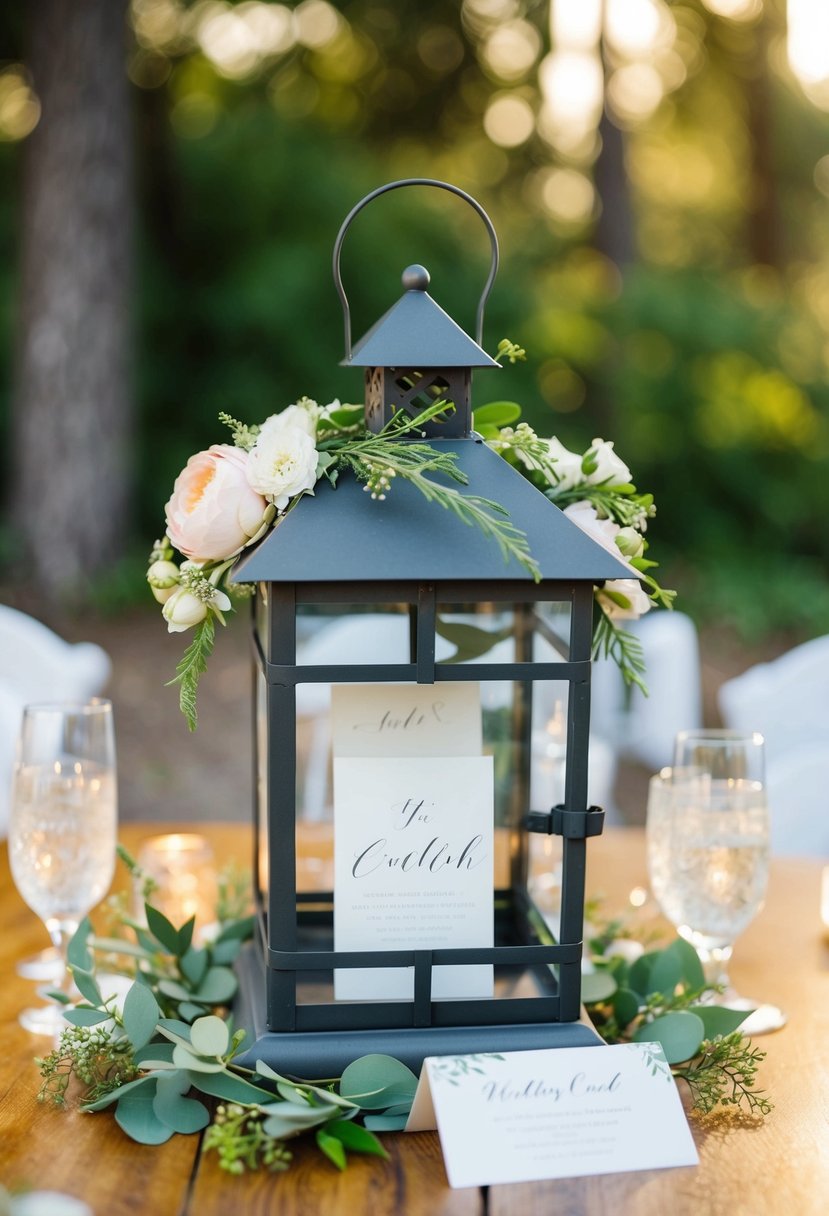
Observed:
{"x":344,"y":536}
{"x":417,"y":333}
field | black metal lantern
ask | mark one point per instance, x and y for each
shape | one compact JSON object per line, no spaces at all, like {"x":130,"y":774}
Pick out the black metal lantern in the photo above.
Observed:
{"x":360,"y":604}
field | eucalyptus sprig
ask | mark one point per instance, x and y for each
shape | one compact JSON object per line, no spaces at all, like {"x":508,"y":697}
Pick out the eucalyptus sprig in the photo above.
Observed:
{"x":663,"y":997}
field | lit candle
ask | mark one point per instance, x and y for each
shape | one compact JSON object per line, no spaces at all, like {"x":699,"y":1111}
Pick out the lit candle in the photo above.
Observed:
{"x":182,"y":866}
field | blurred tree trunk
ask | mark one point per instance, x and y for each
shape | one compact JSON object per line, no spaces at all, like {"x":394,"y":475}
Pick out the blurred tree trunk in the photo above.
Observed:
{"x":72,"y":403}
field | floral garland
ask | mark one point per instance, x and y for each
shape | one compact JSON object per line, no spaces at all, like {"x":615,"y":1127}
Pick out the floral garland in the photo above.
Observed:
{"x":230,"y":496}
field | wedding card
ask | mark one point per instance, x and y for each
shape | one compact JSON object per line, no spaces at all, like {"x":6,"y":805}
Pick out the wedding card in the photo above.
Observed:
{"x":406,"y":719}
{"x":413,"y":869}
{"x":570,"y":1112}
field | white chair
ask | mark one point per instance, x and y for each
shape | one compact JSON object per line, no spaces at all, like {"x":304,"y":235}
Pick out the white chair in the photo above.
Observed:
{"x":787,"y":701}
{"x":37,"y":665}
{"x":643,"y":728}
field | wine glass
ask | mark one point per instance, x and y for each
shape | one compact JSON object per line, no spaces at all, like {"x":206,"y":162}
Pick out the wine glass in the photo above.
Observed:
{"x":708,"y":851}
{"x":62,"y":825}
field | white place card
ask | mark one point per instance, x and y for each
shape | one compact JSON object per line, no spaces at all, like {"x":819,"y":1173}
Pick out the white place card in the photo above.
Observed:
{"x":406,"y":719}
{"x":413,"y":869}
{"x":565,"y":1113}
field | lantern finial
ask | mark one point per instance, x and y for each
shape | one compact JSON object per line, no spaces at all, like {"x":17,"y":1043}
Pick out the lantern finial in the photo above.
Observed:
{"x":415,"y":278}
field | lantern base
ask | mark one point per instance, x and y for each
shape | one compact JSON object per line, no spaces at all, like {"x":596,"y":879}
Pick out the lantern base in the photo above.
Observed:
{"x":311,"y":1055}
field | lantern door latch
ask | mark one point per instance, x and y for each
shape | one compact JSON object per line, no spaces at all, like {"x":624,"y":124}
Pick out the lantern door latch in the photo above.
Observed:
{"x":575,"y":825}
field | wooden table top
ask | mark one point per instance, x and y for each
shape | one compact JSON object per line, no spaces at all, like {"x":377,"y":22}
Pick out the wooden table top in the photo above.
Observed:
{"x":779,"y":1166}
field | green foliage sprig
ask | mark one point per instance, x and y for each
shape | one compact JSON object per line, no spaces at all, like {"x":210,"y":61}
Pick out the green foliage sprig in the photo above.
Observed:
{"x":660,"y":997}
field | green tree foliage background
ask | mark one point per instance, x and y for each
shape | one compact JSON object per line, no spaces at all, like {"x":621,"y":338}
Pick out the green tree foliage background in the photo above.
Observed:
{"x":702,"y":349}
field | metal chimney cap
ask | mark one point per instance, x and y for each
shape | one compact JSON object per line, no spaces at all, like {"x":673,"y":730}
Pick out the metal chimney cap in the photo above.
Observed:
{"x":415,"y":278}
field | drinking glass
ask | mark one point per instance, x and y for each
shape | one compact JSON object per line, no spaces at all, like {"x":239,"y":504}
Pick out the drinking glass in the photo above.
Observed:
{"x":708,"y":851}
{"x":62,"y":825}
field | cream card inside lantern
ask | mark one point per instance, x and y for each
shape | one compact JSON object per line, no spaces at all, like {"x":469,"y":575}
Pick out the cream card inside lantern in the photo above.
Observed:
{"x":413,"y":835}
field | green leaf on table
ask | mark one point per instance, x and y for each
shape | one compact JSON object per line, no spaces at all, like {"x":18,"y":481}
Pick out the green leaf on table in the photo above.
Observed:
{"x":375,"y":1081}
{"x":625,"y":1006}
{"x":77,"y":952}
{"x":665,"y":973}
{"x":236,"y":930}
{"x":640,"y":972}
{"x":174,"y":990}
{"x":136,"y":1116}
{"x":174,"y":1110}
{"x":163,"y":930}
{"x":115,"y":1095}
{"x":87,"y":985}
{"x":287,"y":1119}
{"x":332,"y":1148}
{"x":386,"y":1123}
{"x":83,"y":1016}
{"x":217,"y":988}
{"x":692,"y":972}
{"x":193,"y":963}
{"x":230,"y":1088}
{"x":140,"y":1016}
{"x":175,"y":1027}
{"x":680,"y":1034}
{"x":190,"y":1011}
{"x":183,"y":1057}
{"x":719,"y":1019}
{"x":357,"y":1138}
{"x":210,"y":1036}
{"x":597,"y":986}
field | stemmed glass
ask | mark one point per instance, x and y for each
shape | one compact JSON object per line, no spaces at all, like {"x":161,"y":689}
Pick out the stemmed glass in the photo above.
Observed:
{"x":708,"y":851}
{"x":62,"y":826}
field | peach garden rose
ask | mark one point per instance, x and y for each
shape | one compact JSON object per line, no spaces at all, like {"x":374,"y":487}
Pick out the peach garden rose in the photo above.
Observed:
{"x":214,"y":511}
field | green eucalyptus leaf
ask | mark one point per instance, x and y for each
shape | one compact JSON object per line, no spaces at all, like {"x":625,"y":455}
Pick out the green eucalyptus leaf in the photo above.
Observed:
{"x":640,"y":971}
{"x":225,"y":953}
{"x":298,"y":1114}
{"x":194,"y":964}
{"x":136,"y":1116}
{"x":115,"y":1095}
{"x":333,"y":1148}
{"x":229,"y":1087}
{"x":665,"y":973}
{"x":140,"y":1016}
{"x":692,"y":972}
{"x":719,"y":1019}
{"x":357,"y":1138}
{"x":470,"y":641}
{"x":236,"y":930}
{"x":399,"y":1108}
{"x":174,"y":990}
{"x":163,"y":930}
{"x":77,"y":952}
{"x":185,"y":1115}
{"x":597,"y":986}
{"x":217,"y":988}
{"x":185,"y":936}
{"x":625,"y":1006}
{"x":183,"y":1057}
{"x":175,"y":1027}
{"x":81,"y":1016}
{"x":190,"y":1011}
{"x":679,"y":1033}
{"x":496,"y":413}
{"x":87,"y":986}
{"x":386,"y":1123}
{"x":370,"y":1078}
{"x":209,"y":1036}
{"x":158,"y":1052}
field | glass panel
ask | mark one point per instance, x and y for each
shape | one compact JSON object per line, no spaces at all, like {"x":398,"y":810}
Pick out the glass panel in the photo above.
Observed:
{"x":352,"y":633}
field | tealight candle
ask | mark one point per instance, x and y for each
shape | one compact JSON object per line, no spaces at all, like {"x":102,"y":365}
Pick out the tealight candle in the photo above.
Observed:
{"x":182,"y":866}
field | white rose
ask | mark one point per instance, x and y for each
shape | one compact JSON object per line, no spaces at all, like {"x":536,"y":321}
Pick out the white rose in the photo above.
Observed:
{"x":183,"y":609}
{"x":604,"y":531}
{"x":567,"y":466}
{"x":610,"y":468}
{"x":303,"y":414}
{"x":284,"y":461}
{"x":638,"y":601}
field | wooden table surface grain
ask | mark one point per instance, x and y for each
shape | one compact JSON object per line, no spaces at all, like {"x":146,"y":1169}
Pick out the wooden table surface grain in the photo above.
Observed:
{"x":778,"y":1167}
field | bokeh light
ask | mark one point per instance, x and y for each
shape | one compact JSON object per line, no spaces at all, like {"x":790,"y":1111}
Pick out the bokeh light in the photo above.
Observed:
{"x":509,"y":120}
{"x":19,"y":106}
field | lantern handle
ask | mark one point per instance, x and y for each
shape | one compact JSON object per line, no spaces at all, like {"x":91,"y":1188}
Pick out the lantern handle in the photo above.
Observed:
{"x":414,"y":181}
